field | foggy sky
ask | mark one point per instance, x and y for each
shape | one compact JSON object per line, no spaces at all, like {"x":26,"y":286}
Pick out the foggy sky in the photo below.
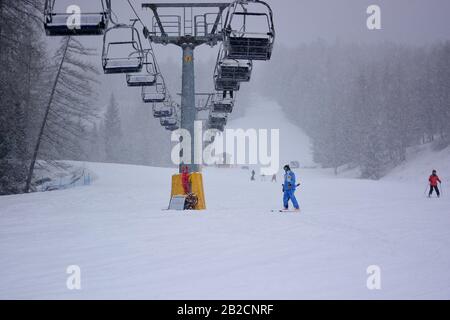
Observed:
{"x":406,"y":21}
{"x":414,"y":22}
{"x":299,"y":21}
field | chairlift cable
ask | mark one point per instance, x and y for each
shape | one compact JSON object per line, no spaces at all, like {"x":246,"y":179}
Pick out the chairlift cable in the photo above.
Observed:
{"x":153,"y":53}
{"x":114,"y":22}
{"x":158,"y":69}
{"x":136,"y":14}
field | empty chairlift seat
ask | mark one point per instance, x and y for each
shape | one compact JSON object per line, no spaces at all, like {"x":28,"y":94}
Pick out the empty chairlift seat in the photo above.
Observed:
{"x":173,"y":128}
{"x":217,"y":127}
{"x":162,"y":110}
{"x":222,"y":106}
{"x":218,"y":119}
{"x":131,"y":64}
{"x":76,"y":23}
{"x":168,"y":121}
{"x":226,"y":85}
{"x":249,"y":48}
{"x":244,"y":38}
{"x":155,"y":93}
{"x":234,"y":70}
{"x":140,"y":80}
{"x":147,"y":77}
{"x":124,"y":56}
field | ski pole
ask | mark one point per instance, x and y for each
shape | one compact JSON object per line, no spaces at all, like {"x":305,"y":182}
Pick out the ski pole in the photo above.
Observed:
{"x":426,"y":189}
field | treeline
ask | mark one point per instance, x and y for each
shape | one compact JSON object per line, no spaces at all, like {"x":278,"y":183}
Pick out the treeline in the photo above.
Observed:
{"x":363,"y":105}
{"x":23,"y":88}
{"x":128,"y":133}
{"x":51,"y":105}
{"x":46,"y":99}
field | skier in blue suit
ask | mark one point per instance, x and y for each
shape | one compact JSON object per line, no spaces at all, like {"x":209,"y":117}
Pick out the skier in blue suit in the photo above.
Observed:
{"x":289,"y":187}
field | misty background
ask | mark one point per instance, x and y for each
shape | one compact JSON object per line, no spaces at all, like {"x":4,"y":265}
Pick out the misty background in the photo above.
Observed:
{"x":362,"y":96}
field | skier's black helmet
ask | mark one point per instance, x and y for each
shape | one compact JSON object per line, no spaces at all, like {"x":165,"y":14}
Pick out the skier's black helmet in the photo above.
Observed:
{"x":434,"y":171}
{"x":287,"y":168}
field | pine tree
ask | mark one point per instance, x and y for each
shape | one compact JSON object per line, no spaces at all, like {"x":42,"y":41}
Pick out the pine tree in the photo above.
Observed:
{"x":112,"y":132}
{"x":22,"y":87}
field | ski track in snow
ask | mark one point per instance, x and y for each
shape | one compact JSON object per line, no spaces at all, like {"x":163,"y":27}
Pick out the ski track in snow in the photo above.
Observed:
{"x":129,"y":248}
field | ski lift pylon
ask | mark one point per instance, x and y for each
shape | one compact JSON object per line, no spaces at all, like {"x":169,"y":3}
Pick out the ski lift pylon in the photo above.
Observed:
{"x":76,"y":23}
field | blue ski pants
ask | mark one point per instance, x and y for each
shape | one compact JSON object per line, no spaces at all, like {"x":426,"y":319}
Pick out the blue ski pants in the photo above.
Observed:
{"x":290,"y":195}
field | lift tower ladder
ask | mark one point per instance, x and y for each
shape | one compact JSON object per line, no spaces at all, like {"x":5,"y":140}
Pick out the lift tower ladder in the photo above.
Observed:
{"x":183,"y":32}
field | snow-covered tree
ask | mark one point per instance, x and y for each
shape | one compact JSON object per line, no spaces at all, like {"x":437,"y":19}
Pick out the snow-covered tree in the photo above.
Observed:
{"x":363,"y":105}
{"x":22,"y":88}
{"x":112,"y":132}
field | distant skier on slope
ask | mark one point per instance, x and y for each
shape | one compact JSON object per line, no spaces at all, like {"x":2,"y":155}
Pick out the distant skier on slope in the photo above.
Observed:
{"x":289,"y":188}
{"x":434,"y":179}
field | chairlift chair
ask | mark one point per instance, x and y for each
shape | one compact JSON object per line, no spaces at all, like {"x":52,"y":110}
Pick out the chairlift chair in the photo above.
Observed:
{"x":132,"y":63}
{"x":220,"y":128}
{"x":168,"y":121}
{"x":220,"y":119}
{"x":222,"y":106}
{"x":156,"y":93}
{"x":162,"y":110}
{"x":242,"y":44}
{"x":141,"y":80}
{"x":232,"y":69}
{"x":172,"y":128}
{"x":226,"y":85}
{"x":147,"y":77}
{"x":66,"y":24}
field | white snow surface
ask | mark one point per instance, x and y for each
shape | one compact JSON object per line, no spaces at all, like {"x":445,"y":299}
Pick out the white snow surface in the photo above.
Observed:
{"x":129,"y":248}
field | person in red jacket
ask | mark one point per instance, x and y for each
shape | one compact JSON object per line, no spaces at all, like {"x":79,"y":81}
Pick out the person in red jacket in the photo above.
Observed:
{"x":185,"y":180}
{"x":191,"y":198}
{"x":434,"y":179}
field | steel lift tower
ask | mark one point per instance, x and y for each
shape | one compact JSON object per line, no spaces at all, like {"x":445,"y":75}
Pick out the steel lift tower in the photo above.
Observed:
{"x":188,"y":31}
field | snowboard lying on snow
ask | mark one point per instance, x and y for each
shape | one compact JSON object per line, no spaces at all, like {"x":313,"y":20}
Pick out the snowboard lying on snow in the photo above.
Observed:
{"x":286,"y":211}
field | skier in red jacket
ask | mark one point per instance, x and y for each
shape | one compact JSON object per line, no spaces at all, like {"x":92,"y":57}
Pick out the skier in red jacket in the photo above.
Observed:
{"x":434,"y":179}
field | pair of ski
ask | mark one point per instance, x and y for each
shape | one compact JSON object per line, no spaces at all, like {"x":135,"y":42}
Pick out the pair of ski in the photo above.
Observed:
{"x":285,"y":211}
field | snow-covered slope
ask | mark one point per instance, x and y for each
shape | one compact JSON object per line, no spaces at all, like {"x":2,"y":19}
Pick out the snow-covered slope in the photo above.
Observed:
{"x":267,"y":114}
{"x":419,"y":164}
{"x":127,"y":247}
